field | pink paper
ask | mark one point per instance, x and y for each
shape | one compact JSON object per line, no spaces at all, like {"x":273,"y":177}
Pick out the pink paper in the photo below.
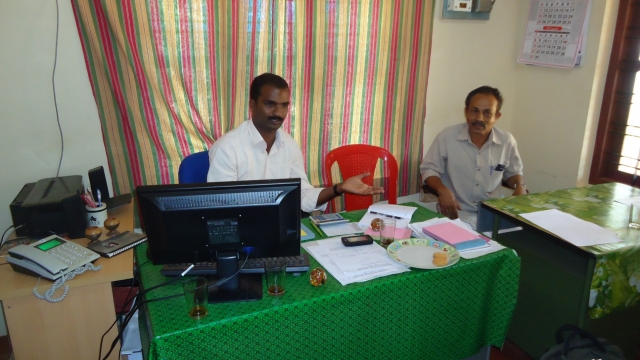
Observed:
{"x":399,"y":234}
{"x":453,"y":233}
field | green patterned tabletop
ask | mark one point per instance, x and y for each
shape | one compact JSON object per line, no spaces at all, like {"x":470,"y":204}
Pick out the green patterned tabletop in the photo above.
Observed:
{"x":448,"y":313}
{"x":616,"y":279}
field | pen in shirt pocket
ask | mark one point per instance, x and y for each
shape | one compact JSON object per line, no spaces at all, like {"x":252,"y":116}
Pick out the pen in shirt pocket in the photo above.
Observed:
{"x":490,"y":170}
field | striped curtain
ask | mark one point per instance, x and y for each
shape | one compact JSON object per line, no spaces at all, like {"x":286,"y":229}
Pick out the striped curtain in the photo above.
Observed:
{"x":171,"y":76}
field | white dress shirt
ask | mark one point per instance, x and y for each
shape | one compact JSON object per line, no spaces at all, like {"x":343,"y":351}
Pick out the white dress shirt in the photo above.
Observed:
{"x":241,"y":154}
{"x":472,"y":174}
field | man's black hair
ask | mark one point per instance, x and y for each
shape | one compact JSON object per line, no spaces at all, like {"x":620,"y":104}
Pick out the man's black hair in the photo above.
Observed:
{"x":487,"y":90}
{"x":266,"y":79}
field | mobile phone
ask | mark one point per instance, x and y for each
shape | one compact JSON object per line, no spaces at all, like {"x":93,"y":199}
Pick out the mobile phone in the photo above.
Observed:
{"x":357,"y":240}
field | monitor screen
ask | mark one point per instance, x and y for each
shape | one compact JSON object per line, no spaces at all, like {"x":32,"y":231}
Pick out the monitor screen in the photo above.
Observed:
{"x":193,"y":222}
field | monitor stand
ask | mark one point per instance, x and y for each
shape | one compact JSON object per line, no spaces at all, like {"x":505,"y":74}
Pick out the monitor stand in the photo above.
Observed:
{"x":239,"y":287}
{"x":249,"y":289}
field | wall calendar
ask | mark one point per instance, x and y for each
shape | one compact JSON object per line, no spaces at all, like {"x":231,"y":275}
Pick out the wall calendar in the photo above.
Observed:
{"x":556,"y":33}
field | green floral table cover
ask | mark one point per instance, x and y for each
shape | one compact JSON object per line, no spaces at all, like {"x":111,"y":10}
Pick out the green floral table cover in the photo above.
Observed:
{"x":447,"y":313}
{"x":616,"y":279}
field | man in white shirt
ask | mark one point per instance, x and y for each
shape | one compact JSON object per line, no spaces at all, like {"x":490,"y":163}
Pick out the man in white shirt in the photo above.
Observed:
{"x":259,"y":149}
{"x":467,"y":163}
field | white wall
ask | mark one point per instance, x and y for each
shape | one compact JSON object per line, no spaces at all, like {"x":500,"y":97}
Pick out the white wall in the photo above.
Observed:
{"x":30,"y":144}
{"x":551,"y":112}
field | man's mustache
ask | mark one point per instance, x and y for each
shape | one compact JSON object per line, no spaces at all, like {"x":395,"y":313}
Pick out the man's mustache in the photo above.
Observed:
{"x":276,"y":118}
{"x":479,"y":123}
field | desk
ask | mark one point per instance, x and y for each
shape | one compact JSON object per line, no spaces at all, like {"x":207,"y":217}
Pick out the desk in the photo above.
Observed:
{"x":70,"y":329}
{"x":594,"y":287}
{"x":422,"y":314}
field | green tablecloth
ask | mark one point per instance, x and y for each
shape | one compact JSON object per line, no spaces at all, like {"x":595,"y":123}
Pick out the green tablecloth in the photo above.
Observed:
{"x":447,"y":313}
{"x":616,"y":278}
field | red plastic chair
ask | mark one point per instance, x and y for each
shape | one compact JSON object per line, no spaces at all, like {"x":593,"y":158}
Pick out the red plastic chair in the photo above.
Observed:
{"x":356,"y":159}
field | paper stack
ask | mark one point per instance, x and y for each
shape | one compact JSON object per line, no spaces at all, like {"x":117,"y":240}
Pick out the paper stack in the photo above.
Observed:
{"x":455,"y":236}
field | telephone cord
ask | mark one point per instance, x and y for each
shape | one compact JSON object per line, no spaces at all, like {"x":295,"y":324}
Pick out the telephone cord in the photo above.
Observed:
{"x":48,"y":295}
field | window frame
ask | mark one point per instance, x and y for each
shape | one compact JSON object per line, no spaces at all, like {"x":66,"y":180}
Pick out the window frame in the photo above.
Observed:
{"x":609,"y":138}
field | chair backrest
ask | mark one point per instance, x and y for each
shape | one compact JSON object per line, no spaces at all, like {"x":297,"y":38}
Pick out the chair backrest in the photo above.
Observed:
{"x":194,"y":168}
{"x":357,"y":159}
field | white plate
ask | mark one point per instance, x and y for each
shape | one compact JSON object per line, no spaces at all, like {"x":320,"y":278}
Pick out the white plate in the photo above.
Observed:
{"x":418,"y":253}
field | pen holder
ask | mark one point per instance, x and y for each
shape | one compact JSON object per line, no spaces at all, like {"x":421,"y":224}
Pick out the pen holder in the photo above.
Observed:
{"x":96,"y":215}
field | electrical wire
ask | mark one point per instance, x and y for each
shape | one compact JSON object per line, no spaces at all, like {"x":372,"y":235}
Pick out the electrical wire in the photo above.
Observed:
{"x":133,"y":309}
{"x":3,"y":234}
{"x":53,"y":83}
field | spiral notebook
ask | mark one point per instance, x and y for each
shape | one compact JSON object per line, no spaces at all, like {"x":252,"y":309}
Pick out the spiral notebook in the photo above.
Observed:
{"x":117,"y":243}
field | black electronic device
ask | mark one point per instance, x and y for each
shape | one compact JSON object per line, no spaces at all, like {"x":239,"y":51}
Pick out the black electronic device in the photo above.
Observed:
{"x":357,"y":240}
{"x":18,"y":214}
{"x":98,"y":181}
{"x":51,"y":205}
{"x":222,"y":222}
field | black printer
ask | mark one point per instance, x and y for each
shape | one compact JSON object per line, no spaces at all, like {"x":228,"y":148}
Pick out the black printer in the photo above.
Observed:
{"x":51,"y":205}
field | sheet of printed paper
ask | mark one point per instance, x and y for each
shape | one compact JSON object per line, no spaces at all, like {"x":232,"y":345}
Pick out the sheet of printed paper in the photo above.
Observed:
{"x":571,"y":228}
{"x":329,"y":251}
{"x":401,"y":213}
{"x":555,"y":33}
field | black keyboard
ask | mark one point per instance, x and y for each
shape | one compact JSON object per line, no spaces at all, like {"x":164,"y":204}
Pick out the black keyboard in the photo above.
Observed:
{"x":295,"y":264}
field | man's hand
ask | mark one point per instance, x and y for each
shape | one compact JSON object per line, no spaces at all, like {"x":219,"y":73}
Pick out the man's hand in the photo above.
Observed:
{"x":447,"y":203}
{"x":354,"y":185}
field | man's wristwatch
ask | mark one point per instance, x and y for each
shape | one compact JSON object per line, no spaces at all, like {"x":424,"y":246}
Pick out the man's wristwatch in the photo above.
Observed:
{"x":515,"y":186}
{"x":335,"y":190}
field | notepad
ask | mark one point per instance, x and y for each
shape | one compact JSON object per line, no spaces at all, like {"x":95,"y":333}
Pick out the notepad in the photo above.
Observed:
{"x":117,"y":243}
{"x":455,"y":236}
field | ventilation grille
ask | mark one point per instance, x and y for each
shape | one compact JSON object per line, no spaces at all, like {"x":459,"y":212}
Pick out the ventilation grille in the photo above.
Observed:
{"x":219,"y":200}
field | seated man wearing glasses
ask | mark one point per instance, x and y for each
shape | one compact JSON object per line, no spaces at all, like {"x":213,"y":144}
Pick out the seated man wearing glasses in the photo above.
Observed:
{"x":468,"y":162}
{"x":259,"y":148}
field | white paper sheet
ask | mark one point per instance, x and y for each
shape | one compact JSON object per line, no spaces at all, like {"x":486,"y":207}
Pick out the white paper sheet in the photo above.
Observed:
{"x":401,"y":213}
{"x":330,"y":252}
{"x":570,"y":228}
{"x":635,"y":201}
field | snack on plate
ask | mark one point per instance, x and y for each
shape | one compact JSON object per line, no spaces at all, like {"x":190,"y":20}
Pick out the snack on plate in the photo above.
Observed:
{"x":376,"y":224}
{"x":440,"y":258}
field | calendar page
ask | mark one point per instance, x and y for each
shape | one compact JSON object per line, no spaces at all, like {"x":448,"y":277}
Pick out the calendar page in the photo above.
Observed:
{"x":556,"y":33}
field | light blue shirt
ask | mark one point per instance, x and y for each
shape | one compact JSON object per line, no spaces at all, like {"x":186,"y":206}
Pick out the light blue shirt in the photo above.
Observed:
{"x":472,"y":174}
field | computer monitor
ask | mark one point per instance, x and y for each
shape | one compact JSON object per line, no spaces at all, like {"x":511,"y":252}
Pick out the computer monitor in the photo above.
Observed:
{"x":188,"y":223}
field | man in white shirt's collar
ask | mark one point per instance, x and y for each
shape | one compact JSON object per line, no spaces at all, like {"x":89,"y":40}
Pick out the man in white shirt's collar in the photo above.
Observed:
{"x":259,"y":149}
{"x":467,"y":163}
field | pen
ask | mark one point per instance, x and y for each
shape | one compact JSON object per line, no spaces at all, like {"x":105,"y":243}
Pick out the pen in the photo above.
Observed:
{"x":90,"y":194}
{"x":490,"y":170}
{"x":391,"y":216}
{"x":99,"y":197}
{"x":317,"y":228}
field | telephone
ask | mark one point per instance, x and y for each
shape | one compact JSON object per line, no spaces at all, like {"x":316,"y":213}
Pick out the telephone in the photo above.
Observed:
{"x":51,"y":257}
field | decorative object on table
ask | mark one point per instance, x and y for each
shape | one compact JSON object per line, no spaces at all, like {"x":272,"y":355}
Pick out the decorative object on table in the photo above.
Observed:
{"x":376,"y":224}
{"x":111,"y":224}
{"x":93,"y":233}
{"x":317,"y":277}
{"x":418,"y":253}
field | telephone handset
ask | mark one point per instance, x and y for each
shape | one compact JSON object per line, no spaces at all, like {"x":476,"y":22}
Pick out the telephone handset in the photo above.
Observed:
{"x":51,"y":257}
